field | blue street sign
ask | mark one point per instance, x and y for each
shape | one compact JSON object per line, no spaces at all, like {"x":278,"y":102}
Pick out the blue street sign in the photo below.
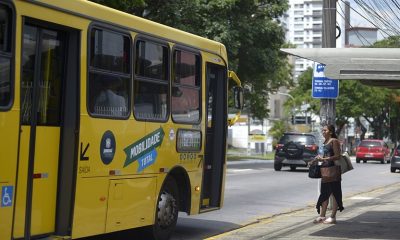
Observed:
{"x":323,"y":87}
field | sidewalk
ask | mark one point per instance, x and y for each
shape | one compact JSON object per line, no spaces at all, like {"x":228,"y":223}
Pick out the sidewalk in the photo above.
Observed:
{"x":370,"y":215}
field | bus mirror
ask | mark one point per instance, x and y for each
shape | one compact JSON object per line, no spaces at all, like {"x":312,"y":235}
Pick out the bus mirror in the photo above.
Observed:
{"x":238,"y":97}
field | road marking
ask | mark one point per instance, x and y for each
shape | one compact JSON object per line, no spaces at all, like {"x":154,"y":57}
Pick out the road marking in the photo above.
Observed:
{"x":362,"y":198}
{"x":239,"y":170}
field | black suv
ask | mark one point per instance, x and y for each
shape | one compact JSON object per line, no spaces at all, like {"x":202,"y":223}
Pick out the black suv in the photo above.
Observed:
{"x":295,"y":150}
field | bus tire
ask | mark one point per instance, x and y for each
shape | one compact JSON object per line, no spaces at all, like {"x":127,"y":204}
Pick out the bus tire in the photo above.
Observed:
{"x":167,"y":211}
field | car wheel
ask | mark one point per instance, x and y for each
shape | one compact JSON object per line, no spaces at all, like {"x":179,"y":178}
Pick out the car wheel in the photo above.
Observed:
{"x":388,"y":161}
{"x":392,"y":169}
{"x":292,"y":168}
{"x":364,"y":161}
{"x":357,"y":160}
{"x":277,"y":167}
{"x":383,"y":161}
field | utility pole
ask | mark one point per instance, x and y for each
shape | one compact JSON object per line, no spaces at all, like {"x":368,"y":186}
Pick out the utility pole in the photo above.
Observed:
{"x":328,"y":106}
{"x":327,"y":112}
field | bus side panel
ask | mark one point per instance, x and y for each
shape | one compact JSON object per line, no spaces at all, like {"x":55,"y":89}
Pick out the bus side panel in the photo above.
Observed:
{"x":111,"y":188}
{"x":8,"y":151}
{"x":129,"y":203}
{"x":90,"y":207}
{"x":195,"y":180}
{"x":169,"y":157}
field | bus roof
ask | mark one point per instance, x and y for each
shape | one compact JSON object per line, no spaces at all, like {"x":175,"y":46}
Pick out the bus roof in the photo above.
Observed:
{"x":93,"y":11}
{"x":373,"y":66}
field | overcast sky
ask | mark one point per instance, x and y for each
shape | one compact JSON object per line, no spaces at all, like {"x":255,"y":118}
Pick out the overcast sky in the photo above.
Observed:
{"x":355,"y":19}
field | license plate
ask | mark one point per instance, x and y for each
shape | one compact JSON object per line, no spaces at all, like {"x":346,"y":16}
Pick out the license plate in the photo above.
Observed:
{"x":368,"y":155}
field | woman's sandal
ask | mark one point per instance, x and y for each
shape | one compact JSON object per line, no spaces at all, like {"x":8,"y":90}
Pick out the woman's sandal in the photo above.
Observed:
{"x":330,"y":220}
{"x":319,"y":220}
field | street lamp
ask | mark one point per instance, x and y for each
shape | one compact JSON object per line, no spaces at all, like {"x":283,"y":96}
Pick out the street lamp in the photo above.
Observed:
{"x":285,"y":94}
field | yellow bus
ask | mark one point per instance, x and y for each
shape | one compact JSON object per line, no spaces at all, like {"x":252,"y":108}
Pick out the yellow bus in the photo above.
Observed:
{"x":108,"y":121}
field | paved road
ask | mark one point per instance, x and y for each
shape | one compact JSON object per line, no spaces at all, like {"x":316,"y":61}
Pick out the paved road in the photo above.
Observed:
{"x":254,"y":191}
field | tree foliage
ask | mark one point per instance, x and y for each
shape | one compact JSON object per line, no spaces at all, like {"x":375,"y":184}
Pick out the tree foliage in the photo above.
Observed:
{"x":302,"y":93}
{"x":278,"y":129}
{"x":250,"y":30}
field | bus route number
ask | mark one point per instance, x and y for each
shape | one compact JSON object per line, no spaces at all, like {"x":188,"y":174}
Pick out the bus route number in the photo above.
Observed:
{"x":188,"y":157}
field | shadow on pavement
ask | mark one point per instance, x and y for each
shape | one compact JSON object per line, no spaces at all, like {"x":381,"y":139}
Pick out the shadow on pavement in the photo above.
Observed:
{"x":194,"y":229}
{"x":369,"y":225}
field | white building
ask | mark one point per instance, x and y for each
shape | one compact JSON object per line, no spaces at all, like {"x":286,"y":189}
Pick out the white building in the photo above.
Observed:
{"x":304,"y":28}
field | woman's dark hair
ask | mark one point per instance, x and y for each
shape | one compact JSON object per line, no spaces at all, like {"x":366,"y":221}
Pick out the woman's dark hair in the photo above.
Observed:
{"x":331,"y":129}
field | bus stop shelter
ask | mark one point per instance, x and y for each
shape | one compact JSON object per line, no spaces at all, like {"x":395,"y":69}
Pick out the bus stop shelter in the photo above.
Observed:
{"x":372,"y":66}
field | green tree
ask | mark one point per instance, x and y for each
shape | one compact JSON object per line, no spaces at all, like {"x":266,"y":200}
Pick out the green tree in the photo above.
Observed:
{"x":277,"y":130}
{"x":302,"y":93}
{"x":250,"y":30}
{"x":130,"y":6}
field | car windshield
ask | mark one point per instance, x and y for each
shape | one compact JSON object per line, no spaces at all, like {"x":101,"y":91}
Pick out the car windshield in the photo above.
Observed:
{"x":370,"y":144}
{"x":303,"y":139}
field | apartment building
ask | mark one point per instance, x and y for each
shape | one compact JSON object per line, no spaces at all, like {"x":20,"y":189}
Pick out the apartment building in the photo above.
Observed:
{"x":304,"y":28}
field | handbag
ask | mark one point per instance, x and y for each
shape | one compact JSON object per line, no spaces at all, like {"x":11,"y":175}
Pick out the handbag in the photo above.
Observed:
{"x":330,"y":174}
{"x":344,"y":163}
{"x":314,"y":171}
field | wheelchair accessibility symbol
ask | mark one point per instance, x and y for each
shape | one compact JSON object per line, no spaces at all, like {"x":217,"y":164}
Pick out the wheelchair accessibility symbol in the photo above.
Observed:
{"x":6,"y":196}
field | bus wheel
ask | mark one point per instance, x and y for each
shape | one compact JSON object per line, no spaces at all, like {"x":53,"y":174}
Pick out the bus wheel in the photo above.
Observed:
{"x":167,"y":211}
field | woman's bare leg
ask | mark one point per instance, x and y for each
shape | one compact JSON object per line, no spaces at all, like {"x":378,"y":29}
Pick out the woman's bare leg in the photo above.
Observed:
{"x":324,"y":206}
{"x":334,"y":206}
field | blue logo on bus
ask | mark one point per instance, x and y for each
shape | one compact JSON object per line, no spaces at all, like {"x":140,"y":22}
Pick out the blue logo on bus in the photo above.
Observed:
{"x":107,"y":147}
{"x":7,"y":196}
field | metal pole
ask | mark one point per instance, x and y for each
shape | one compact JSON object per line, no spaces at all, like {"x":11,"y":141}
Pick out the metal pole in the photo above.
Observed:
{"x":328,"y":111}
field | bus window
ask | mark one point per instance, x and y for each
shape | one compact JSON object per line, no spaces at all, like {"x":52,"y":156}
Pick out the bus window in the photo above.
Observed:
{"x":151,"y":82}
{"x":109,"y":74}
{"x":5,"y":56}
{"x":186,"y":87}
{"x":151,"y":60}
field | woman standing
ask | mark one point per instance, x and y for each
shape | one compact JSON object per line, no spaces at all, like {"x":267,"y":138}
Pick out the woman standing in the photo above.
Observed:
{"x":329,"y":186}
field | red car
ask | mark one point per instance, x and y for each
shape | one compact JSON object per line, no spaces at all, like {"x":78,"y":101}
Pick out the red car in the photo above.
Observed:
{"x":373,"y":149}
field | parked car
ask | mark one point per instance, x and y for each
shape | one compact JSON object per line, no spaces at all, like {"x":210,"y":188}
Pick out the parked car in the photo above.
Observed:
{"x":373,"y":149}
{"x":395,"y":161}
{"x":295,"y":150}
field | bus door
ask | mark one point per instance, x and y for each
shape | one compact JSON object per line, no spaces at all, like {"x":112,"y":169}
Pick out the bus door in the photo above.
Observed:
{"x":48,"y":127}
{"x":214,"y":161}
{"x":9,"y":121}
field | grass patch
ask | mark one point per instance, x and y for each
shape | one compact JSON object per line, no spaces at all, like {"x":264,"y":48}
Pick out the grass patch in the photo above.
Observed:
{"x":237,"y":157}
